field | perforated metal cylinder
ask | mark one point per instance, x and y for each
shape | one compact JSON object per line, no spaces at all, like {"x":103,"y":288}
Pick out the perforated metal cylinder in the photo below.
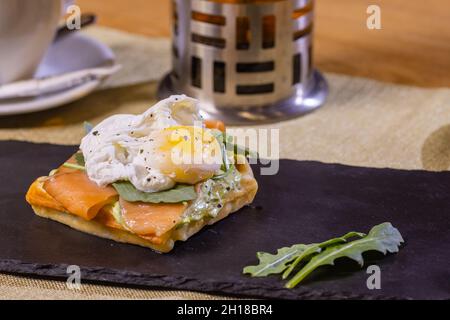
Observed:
{"x":244,"y":58}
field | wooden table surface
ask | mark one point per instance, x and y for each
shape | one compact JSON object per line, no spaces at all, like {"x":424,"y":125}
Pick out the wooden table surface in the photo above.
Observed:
{"x":413,"y":46}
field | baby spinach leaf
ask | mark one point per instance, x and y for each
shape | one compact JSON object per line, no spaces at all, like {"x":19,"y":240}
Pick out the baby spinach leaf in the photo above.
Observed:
{"x":177,"y":194}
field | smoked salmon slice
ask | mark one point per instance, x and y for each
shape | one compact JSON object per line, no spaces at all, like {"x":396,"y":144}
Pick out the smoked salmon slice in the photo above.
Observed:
{"x":78,"y":194}
{"x":151,"y":218}
{"x":70,"y":190}
{"x":37,"y":196}
{"x":105,"y":218}
{"x":215,"y":124}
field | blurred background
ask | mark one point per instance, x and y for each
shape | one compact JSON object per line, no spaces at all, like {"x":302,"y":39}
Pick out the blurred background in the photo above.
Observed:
{"x":385,"y":85}
{"x":413,"y":46}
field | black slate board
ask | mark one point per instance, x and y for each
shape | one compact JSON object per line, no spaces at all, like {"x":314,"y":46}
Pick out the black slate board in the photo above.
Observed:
{"x":306,"y":202}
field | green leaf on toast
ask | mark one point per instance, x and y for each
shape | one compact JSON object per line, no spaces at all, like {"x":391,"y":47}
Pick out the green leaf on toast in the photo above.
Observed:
{"x":245,"y":151}
{"x":177,"y":194}
{"x":227,"y":142}
{"x":73,"y":166}
{"x":79,"y":158}
{"x":277,"y":263}
{"x":383,"y":238}
{"x":79,"y":165}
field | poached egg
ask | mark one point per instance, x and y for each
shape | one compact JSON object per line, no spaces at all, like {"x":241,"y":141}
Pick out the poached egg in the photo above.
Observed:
{"x":165,"y":145}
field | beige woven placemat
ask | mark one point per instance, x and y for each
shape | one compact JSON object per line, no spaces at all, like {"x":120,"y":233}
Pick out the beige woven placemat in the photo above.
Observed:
{"x":364,"y":123}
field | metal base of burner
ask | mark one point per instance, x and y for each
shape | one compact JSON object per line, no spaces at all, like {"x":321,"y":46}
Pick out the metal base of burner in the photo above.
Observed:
{"x":295,"y":106}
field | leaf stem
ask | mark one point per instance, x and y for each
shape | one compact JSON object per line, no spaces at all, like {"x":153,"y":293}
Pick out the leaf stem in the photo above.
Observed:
{"x":73,"y":166}
{"x":305,"y":253}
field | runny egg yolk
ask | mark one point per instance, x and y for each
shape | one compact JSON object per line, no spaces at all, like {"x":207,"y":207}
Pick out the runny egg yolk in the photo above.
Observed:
{"x":191,"y":154}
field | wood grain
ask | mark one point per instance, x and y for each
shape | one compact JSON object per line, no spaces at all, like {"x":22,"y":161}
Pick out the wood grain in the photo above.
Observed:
{"x":413,"y":46}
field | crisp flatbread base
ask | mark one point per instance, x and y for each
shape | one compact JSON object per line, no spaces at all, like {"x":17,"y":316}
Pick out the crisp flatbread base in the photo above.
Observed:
{"x":234,"y":202}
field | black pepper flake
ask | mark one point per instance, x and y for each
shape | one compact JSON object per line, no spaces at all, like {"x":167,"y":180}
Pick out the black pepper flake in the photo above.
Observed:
{"x":141,"y":151}
{"x":95,"y":133}
{"x":149,"y":179}
{"x":228,"y":188}
{"x":219,"y":205}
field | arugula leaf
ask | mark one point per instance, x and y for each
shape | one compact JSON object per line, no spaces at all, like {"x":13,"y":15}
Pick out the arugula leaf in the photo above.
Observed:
{"x":277,"y":263}
{"x":80,"y":165}
{"x":177,"y":194}
{"x":316,"y":248}
{"x":227,"y":143}
{"x":245,"y":151}
{"x":222,"y":174}
{"x":79,"y":158}
{"x":383,"y":238}
{"x":225,"y":161}
{"x":238,"y":150}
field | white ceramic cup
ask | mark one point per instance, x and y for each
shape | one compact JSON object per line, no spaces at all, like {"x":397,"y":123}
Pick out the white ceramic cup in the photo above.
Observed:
{"x":27,"y":28}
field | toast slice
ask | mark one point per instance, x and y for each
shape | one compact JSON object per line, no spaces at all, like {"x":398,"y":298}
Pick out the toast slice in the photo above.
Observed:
{"x":44,"y":205}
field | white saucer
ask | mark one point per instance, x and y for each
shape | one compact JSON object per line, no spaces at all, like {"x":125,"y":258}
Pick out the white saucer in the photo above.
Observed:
{"x":70,"y":53}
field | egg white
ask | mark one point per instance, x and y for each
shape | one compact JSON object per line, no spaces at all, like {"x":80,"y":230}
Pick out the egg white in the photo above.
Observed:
{"x":145,"y":149}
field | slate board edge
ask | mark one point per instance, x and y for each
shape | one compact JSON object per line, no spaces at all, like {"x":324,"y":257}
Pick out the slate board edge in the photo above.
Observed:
{"x":337,"y":164}
{"x":124,"y":278}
